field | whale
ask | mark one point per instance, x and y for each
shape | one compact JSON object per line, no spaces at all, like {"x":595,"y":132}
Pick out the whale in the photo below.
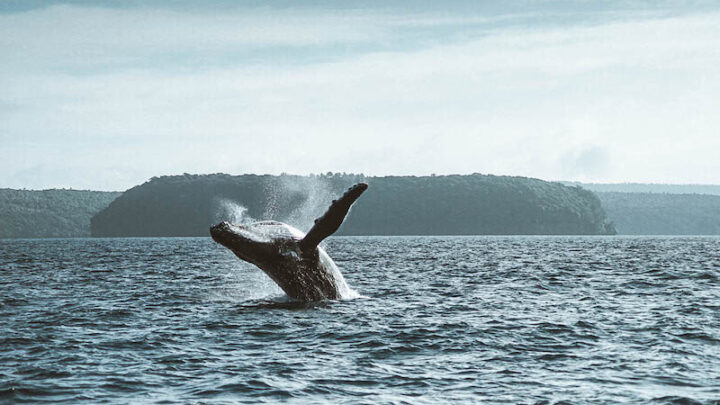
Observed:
{"x":295,"y":261}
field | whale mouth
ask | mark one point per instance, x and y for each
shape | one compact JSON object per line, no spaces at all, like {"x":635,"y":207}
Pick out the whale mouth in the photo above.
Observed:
{"x":221,"y":228}
{"x":237,"y":237}
{"x":221,"y":231}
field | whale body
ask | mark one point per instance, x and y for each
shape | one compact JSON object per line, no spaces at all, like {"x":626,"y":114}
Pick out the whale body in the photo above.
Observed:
{"x":294,"y":260}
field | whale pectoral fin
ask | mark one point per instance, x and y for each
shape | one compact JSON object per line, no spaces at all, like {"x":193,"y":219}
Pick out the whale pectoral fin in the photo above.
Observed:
{"x":327,"y":224}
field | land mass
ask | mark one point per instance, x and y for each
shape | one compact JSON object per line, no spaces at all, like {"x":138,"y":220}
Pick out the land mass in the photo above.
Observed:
{"x":649,"y":188}
{"x":395,"y":205}
{"x":50,"y":213}
{"x":662,"y":213}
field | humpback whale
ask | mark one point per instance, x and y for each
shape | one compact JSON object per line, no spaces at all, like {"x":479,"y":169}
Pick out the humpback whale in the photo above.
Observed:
{"x":294,"y":260}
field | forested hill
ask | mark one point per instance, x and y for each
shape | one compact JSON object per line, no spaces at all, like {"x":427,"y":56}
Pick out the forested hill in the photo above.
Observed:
{"x":49,"y":213}
{"x":399,"y":205}
{"x":663,"y":214}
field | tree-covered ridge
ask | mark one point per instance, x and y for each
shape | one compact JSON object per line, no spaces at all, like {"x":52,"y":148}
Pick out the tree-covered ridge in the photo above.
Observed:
{"x":49,"y":213}
{"x":395,"y":205}
{"x":663,"y":214}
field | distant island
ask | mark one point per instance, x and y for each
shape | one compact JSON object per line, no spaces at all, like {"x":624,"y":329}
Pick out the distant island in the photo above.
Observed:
{"x":395,"y":205}
{"x":50,"y":213}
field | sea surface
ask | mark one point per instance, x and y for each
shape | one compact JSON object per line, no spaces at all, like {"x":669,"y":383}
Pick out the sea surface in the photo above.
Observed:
{"x":530,"y":320}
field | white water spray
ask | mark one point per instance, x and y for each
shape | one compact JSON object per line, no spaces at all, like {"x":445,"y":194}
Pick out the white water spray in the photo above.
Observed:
{"x":317,"y":197}
{"x":231,"y":211}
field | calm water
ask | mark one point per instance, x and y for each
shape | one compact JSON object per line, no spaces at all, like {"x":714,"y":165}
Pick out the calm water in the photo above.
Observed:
{"x":442,"y":320}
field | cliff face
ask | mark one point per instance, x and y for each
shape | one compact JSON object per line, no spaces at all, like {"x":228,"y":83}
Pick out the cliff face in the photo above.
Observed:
{"x":400,"y":205}
{"x":49,"y":213}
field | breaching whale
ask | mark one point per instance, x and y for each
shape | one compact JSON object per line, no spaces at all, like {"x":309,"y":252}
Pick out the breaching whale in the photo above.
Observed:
{"x":294,"y":260}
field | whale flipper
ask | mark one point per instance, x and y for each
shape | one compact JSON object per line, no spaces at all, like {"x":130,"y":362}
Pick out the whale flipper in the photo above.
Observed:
{"x":327,"y":224}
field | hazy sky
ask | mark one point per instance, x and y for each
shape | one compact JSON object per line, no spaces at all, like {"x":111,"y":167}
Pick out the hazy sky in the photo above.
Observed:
{"x":106,"y":95}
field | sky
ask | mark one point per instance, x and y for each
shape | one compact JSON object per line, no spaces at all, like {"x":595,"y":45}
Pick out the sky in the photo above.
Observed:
{"x":105,"y":95}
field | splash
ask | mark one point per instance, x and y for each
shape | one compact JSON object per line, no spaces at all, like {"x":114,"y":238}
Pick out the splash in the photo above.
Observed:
{"x":231,"y":211}
{"x":317,"y":195}
{"x":336,"y":277}
{"x":313,"y":193}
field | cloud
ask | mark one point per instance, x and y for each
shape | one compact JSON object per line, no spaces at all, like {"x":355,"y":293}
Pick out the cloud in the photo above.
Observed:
{"x":554,"y":102}
{"x":89,"y":38}
{"x":587,"y":163}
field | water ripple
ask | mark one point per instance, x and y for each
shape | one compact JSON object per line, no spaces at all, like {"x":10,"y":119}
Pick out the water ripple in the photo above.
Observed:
{"x":532,"y":320}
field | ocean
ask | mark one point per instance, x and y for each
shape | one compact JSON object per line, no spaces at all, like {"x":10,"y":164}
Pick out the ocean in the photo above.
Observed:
{"x":528,"y":320}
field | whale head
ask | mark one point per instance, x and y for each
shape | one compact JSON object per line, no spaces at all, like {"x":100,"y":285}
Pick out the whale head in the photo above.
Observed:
{"x":260,"y":242}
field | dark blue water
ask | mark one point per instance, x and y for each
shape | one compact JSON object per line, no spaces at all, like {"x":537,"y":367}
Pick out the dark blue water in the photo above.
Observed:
{"x":442,"y":320}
